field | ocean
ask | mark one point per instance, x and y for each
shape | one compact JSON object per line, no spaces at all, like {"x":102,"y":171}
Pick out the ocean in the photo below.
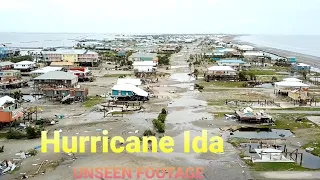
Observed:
{"x":303,"y":44}
{"x":33,"y":40}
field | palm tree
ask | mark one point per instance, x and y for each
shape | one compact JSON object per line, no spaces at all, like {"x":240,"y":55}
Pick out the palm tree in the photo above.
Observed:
{"x":18,"y":95}
{"x":196,"y":73}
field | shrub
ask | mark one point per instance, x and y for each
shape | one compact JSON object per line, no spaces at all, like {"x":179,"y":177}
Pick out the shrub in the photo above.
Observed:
{"x":159,"y":125}
{"x":163,"y":111}
{"x":149,"y":132}
{"x":12,"y":134}
{"x":162,"y":117}
{"x":33,"y":133}
{"x":32,"y":152}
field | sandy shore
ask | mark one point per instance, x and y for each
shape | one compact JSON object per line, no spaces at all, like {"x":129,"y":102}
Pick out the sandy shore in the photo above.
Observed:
{"x":304,"y":58}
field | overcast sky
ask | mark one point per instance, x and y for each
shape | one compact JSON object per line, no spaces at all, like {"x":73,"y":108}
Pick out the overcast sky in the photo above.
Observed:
{"x":161,"y":16}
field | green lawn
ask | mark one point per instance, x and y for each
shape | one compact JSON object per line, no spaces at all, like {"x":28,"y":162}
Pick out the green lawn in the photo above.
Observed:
{"x":226,"y":84}
{"x":301,"y":109}
{"x":304,"y":129}
{"x":262,"y":72}
{"x":93,"y":100}
{"x":289,"y":121}
{"x":314,"y":144}
{"x":275,"y":166}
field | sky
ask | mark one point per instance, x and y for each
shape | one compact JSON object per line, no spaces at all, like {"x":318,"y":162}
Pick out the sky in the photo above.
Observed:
{"x":294,"y":17}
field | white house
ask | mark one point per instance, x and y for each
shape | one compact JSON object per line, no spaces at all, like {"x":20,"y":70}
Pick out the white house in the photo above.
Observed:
{"x":44,"y":70}
{"x":245,"y":48}
{"x":221,"y":70}
{"x":24,"y":65}
{"x":144,"y":66}
{"x":234,"y":64}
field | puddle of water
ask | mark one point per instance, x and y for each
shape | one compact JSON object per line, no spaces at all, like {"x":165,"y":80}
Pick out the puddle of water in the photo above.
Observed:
{"x":178,"y":156}
{"x":182,"y":77}
{"x":187,"y":101}
{"x":189,"y":86}
{"x":94,"y":116}
{"x":142,"y":118}
{"x":275,"y":133}
{"x":188,"y":115}
{"x":310,"y":161}
{"x":182,"y":66}
{"x":266,"y":85}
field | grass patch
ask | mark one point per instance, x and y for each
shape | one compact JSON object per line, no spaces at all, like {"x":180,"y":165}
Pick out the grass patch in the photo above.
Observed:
{"x":269,"y":78}
{"x":261,"y":72}
{"x":216,"y":102}
{"x":228,"y":84}
{"x":275,"y":166}
{"x":220,"y":114}
{"x":301,"y":109}
{"x":237,"y":141}
{"x":117,"y":75}
{"x":3,"y":135}
{"x":92,"y":101}
{"x":315,"y":145}
{"x":291,"y":122}
{"x":119,"y":112}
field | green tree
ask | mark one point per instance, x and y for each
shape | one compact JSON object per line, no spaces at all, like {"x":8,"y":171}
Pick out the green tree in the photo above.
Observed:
{"x":242,"y":76}
{"x":304,"y":74}
{"x":196,"y":73}
{"x":17,"y":95}
{"x":252,"y":76}
{"x":274,"y":79}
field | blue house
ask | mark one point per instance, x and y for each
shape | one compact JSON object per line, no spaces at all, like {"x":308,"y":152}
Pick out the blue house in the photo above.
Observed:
{"x":292,"y":59}
{"x":121,"y":53}
{"x":301,"y":67}
{"x":129,"y":92}
{"x":7,"y":51}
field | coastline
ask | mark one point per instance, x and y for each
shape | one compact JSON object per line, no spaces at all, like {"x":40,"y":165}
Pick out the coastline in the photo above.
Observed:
{"x":303,"y":58}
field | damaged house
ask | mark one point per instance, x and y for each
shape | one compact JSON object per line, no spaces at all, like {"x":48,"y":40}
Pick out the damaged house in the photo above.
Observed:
{"x":129,"y":92}
{"x":61,"y":86}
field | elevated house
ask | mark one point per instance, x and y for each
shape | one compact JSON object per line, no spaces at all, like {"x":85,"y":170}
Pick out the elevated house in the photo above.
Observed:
{"x":10,"y":110}
{"x":148,"y":57}
{"x":129,"y":92}
{"x":220,"y":73}
{"x":301,"y":67}
{"x":235,"y":64}
{"x":25,"y":66}
{"x":11,"y":79}
{"x":83,"y":73}
{"x":56,"y":79}
{"x":245,"y":48}
{"x":10,"y":75}
{"x":294,"y":89}
{"x":144,"y":66}
{"x":257,"y":58}
{"x":65,"y":65}
{"x":81,"y":57}
{"x":60,"y":85}
{"x":291,"y":59}
{"x":6,"y":51}
{"x":6,"y":65}
{"x":44,"y":70}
